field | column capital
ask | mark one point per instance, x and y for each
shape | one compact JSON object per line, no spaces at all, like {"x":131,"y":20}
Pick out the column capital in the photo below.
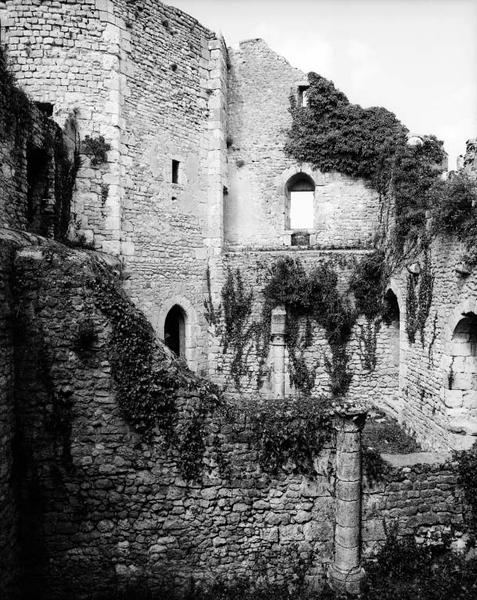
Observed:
{"x":350,"y":421}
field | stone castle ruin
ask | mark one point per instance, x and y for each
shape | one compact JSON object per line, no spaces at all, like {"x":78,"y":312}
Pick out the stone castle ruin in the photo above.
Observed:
{"x":160,"y":248}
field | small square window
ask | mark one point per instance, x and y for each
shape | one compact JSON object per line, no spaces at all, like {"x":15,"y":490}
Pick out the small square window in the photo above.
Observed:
{"x":175,"y":171}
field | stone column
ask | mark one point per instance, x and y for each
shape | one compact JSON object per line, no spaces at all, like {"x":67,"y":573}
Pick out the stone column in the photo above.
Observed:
{"x":346,"y":573}
{"x":278,"y":347}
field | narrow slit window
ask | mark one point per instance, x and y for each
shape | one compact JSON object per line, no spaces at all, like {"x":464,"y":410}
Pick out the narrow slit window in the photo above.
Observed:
{"x":175,"y":171}
{"x":303,"y":96}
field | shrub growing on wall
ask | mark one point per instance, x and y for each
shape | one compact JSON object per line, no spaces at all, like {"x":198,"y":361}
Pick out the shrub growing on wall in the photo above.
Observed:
{"x":334,"y":135}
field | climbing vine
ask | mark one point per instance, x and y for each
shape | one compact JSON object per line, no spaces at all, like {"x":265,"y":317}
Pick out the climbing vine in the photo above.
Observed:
{"x":232,"y":320}
{"x":334,"y":135}
{"x":96,"y":148}
{"x":15,"y":108}
{"x":419,"y":300}
{"x":466,"y":466}
{"x":149,"y":382}
{"x":308,"y":299}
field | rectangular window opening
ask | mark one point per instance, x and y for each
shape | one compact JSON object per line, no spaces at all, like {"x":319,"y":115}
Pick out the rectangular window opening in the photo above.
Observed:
{"x":301,"y":210}
{"x":303,"y":96}
{"x":175,"y":171}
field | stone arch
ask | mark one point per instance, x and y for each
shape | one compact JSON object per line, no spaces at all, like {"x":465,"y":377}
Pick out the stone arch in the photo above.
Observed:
{"x":398,"y":333}
{"x":180,"y":308}
{"x":459,"y":364}
{"x":393,"y":322}
{"x":174,"y":330}
{"x":463,"y":308}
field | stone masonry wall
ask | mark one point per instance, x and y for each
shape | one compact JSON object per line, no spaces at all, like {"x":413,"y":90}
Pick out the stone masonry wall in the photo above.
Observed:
{"x":68,"y":54}
{"x":27,"y":186}
{"x":438,"y":394}
{"x":420,"y":496}
{"x":151,"y":80}
{"x":175,"y":111}
{"x":260,"y":85}
{"x":8,"y":511}
{"x":101,"y":508}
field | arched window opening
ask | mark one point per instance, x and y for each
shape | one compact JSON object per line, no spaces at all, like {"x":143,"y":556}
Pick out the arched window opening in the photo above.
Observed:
{"x":393,"y":321}
{"x":300,"y":194}
{"x":462,"y":373}
{"x":174,"y":330}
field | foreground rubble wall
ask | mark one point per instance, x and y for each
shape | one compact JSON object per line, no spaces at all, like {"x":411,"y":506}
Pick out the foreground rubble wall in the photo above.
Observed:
{"x":100,"y":507}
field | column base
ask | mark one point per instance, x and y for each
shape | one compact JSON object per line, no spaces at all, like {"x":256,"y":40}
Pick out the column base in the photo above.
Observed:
{"x":346,"y":581}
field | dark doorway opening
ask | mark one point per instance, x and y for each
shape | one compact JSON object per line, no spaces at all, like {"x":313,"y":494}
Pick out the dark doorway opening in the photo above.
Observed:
{"x":174,"y":330}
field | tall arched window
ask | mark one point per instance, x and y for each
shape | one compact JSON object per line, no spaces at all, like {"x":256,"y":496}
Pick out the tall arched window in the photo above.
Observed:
{"x":300,"y":192}
{"x":461,"y":380}
{"x":392,"y":320}
{"x":174,"y":330}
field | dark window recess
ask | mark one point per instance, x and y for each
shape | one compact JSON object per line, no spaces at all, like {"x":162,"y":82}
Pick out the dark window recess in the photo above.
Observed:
{"x":300,"y":239}
{"x":175,"y":171}
{"x":174,"y":330}
{"x":37,"y":194}
{"x":45,"y":107}
{"x":303,"y":96}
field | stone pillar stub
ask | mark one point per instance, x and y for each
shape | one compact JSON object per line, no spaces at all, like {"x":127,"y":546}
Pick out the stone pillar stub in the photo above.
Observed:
{"x":278,"y":350}
{"x":346,"y":573}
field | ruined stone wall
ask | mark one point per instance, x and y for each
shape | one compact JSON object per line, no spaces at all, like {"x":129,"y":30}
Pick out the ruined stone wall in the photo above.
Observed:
{"x":99,"y":506}
{"x":68,"y":54}
{"x":174,"y":112}
{"x":420,"y":497}
{"x":8,"y":511}
{"x":438,"y":398}
{"x":378,"y":384}
{"x":345,"y":210}
{"x":27,"y":174}
{"x":150,"y":80}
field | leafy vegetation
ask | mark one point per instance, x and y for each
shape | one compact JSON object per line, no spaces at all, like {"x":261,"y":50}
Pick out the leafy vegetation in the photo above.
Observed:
{"x":466,"y":461}
{"x":455,"y":212}
{"x":289,"y":433}
{"x":17,"y":117}
{"x":148,"y":381}
{"x":315,"y":296}
{"x":419,"y":299}
{"x":383,"y":433}
{"x":368,"y":284}
{"x":15,"y":108}
{"x":334,"y":135}
{"x":97,"y":148}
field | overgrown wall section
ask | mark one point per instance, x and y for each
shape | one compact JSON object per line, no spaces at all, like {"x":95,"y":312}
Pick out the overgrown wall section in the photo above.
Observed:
{"x":151,"y":81}
{"x":70,"y":56}
{"x":244,"y":368}
{"x":99,"y":506}
{"x":256,"y":206}
{"x":33,"y":151}
{"x":438,"y":399}
{"x":8,"y":509}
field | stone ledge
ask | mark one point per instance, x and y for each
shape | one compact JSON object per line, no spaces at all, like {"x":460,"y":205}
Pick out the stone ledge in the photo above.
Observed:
{"x":416,"y":458}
